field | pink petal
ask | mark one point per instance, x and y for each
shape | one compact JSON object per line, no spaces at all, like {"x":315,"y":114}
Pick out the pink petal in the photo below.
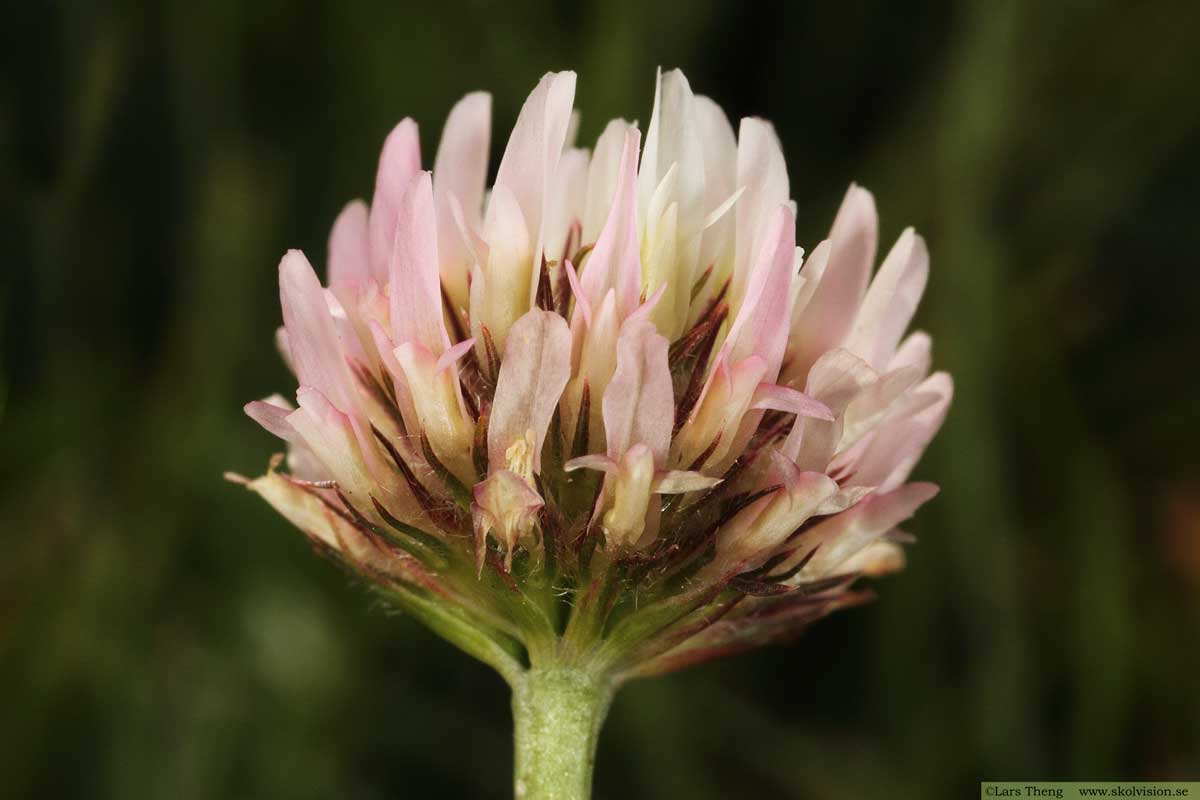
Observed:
{"x":582,"y":305}
{"x":594,"y":354}
{"x":349,"y":246}
{"x":331,"y":436}
{"x":874,"y":402}
{"x":312,"y":336}
{"x":536,"y":368}
{"x":460,"y":170}
{"x":451,"y":356}
{"x":284,"y":348}
{"x":761,"y":325}
{"x":672,"y":141}
{"x":500,"y":291}
{"x":836,"y":379}
{"x":470,"y":236}
{"x":811,"y":271}
{"x":534,"y":148}
{"x":762,"y":172}
{"x":272,"y":414}
{"x":891,"y":301}
{"x":505,"y":506}
{"x":782,"y":398}
{"x":719,"y":147}
{"x":719,"y":412}
{"x":398,"y":163}
{"x":639,"y":404}
{"x":437,"y":400}
{"x":616,"y":260}
{"x":897,"y":445}
{"x":842,"y":536}
{"x":626,"y":498}
{"x":914,"y":351}
{"x":603,"y":173}
{"x":754,"y":534}
{"x":646,"y":309}
{"x":415,"y":282}
{"x":569,"y":188}
{"x":828,"y":316}
{"x":387,"y":355}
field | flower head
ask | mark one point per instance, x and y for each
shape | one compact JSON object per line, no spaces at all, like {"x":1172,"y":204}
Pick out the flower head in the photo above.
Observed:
{"x":605,"y":412}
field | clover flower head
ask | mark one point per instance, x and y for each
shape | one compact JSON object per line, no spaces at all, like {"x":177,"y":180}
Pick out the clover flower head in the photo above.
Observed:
{"x":604,"y":413}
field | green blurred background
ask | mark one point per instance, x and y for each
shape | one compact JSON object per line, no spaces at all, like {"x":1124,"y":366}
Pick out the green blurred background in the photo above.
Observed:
{"x":164,"y":634}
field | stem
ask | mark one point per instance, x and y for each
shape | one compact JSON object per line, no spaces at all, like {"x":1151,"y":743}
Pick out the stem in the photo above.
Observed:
{"x":557,"y":712}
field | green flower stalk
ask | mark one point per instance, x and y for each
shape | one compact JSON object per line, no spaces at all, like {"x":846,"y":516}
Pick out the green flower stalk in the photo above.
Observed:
{"x":603,"y":421}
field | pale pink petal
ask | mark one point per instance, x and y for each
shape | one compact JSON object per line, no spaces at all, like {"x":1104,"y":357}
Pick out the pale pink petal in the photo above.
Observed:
{"x":826,"y":319}
{"x":914,"y":351}
{"x":534,"y":148}
{"x":672,"y":140}
{"x":769,"y":396}
{"x":761,"y":171}
{"x":603,"y":172}
{"x":505,"y":506}
{"x":835,"y":380}
{"x":387,"y":356}
{"x":398,"y":163}
{"x":594,"y":354}
{"x":754,"y":534}
{"x":312,"y":336}
{"x":838,"y":377}
{"x":897,"y":445}
{"x":908,"y":405}
{"x":891,"y":301}
{"x":639,"y":404}
{"x":761,"y":325}
{"x":272,"y":413}
{"x":346,"y":327}
{"x":284,"y":348}
{"x":841,"y":536}
{"x":811,"y":271}
{"x":669,"y":253}
{"x":451,"y":356}
{"x":415,"y":282}
{"x":536,"y":368}
{"x":719,"y":146}
{"x":460,"y":171}
{"x":582,"y":306}
{"x":872,"y":404}
{"x":572,"y":130}
{"x":719,"y":413}
{"x":437,"y":400}
{"x":500,"y":290}
{"x":626,"y":497}
{"x":569,"y":188}
{"x":615,"y":261}
{"x":331,"y":436}
{"x":470,"y":236}
{"x":349,"y":246}
{"x":646,"y":309}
